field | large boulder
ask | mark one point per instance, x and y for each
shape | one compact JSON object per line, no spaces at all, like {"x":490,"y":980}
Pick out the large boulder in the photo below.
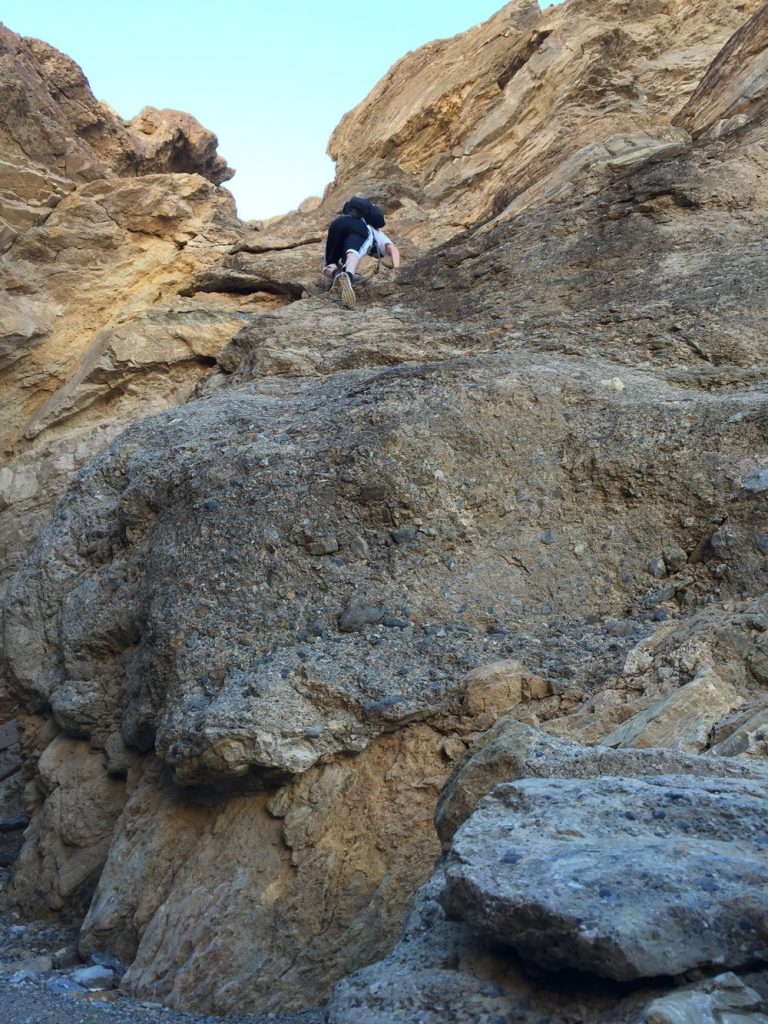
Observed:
{"x":625,"y":878}
{"x":657,"y":843}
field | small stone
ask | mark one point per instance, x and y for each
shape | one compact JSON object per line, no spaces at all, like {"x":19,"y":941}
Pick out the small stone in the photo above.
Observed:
{"x":36,"y":964}
{"x":453,"y":747}
{"x":394,"y":622}
{"x":107,"y":960}
{"x":547,"y":537}
{"x":675,"y":558}
{"x":325,"y":545}
{"x":357,"y":616}
{"x":65,"y":957}
{"x":22,"y":977}
{"x":271,"y":539}
{"x":722,"y":542}
{"x":372,"y":492}
{"x":657,"y":567}
{"x":762,"y":542}
{"x":659,"y":596}
{"x":620,"y":627}
{"x":724,"y":998}
{"x":64,"y":986}
{"x":404,"y":535}
{"x":358,"y":547}
{"x":660,"y":615}
{"x":96,"y":977}
{"x":757,"y":482}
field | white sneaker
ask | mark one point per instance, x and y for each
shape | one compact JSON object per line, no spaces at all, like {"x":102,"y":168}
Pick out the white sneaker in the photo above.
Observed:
{"x":347,"y":291}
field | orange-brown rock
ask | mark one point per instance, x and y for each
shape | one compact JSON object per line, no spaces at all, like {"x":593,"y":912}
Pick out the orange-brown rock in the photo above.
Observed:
{"x":459,"y":128}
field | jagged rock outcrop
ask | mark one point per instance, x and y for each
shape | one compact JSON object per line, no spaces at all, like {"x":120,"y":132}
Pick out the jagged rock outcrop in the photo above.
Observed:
{"x":525,"y":479}
{"x":101,"y":225}
{"x":464,"y":125}
{"x":54,"y":134}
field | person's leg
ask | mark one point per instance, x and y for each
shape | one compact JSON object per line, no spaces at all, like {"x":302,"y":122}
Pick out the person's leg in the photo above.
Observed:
{"x":334,"y":242}
{"x":352,"y":261}
{"x":343,"y":233}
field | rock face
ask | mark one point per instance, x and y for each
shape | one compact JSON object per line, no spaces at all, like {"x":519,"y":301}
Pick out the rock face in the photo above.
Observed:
{"x":466,"y":124}
{"x":515,"y":499}
{"x":101,"y":225}
{"x":550,"y":868}
{"x":584,"y":812}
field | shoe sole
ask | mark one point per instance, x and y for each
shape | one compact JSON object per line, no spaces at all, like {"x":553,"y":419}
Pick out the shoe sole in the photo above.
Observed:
{"x":348,"y":298}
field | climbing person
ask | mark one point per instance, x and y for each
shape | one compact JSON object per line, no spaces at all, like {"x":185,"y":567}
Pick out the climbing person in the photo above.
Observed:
{"x":351,"y":237}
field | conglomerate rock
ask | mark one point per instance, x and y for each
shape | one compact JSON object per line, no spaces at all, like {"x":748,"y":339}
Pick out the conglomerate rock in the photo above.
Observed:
{"x":269,"y":576}
{"x":554,"y":868}
{"x":525,"y":477}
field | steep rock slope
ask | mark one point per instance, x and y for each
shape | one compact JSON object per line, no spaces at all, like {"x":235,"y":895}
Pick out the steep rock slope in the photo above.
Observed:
{"x":464,"y":125}
{"x":527,"y":481}
{"x":76,"y":373}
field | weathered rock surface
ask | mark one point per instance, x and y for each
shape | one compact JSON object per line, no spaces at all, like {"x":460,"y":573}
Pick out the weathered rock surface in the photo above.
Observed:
{"x":53,"y":132}
{"x":684,"y":720}
{"x":101,"y":224}
{"x":513,"y":750}
{"x":180,"y":594}
{"x":726,"y":997}
{"x":446,"y":968}
{"x":676,"y":881}
{"x":465,"y":125}
{"x":312,"y":879}
{"x":77,"y":805}
{"x":525,"y":477}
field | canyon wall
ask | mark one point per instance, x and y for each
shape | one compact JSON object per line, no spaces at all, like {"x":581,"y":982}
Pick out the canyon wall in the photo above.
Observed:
{"x":493,"y":542}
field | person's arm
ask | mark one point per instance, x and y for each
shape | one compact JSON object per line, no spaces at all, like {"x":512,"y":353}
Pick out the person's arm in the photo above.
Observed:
{"x":394,"y":254}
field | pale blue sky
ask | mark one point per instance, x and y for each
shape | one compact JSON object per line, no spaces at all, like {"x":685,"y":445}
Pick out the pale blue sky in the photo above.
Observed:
{"x":271,"y":79}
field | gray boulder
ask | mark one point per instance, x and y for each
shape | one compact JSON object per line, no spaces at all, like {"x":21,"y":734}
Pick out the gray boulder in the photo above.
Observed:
{"x":512,"y":750}
{"x":625,"y":878}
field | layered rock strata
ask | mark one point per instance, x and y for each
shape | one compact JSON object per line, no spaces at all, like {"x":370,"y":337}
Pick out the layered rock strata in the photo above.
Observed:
{"x":101,"y":224}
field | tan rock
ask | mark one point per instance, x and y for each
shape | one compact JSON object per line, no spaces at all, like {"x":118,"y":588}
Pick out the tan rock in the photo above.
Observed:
{"x":599,"y":715}
{"x":99,"y":222}
{"x":69,"y":838}
{"x":684,"y":720}
{"x":512,"y":99}
{"x":311,"y":881}
{"x":494,"y":690}
{"x":734,"y":90}
{"x":721,"y":998}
